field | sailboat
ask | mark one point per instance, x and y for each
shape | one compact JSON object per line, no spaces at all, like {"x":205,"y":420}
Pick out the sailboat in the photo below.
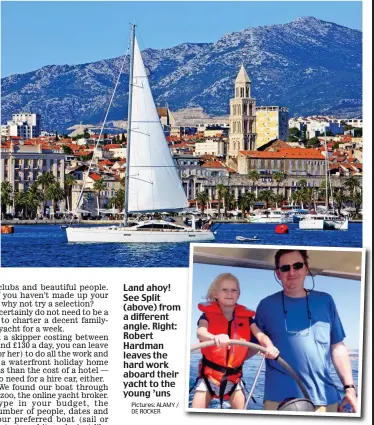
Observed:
{"x":325,"y":221}
{"x":152,"y":180}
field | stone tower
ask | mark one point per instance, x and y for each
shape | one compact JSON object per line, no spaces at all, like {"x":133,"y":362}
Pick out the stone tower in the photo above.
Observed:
{"x":242,"y":116}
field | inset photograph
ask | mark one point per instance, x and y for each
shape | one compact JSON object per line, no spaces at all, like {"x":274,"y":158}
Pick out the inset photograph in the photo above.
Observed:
{"x":276,"y":330}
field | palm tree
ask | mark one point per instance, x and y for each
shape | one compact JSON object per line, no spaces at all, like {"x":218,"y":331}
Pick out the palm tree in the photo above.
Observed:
{"x":352,"y":184}
{"x":267,"y":196}
{"x":44,"y":180}
{"x":221,"y":192}
{"x":99,"y":186}
{"x":203,"y":198}
{"x":339,"y":198}
{"x":247,"y":201}
{"x":117,"y":201}
{"x":6,"y":196}
{"x":278,"y":177}
{"x":303,"y":183}
{"x":298,"y":197}
{"x":70,"y":181}
{"x":19,"y":203}
{"x":308,"y":196}
{"x":230,"y":202}
{"x":323,"y":190}
{"x":32,"y":199}
{"x":55,"y":193}
{"x":357,"y":199}
{"x":254,"y":177}
{"x":278,"y":199}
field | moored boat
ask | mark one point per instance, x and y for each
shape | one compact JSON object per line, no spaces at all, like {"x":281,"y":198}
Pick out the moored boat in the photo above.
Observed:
{"x":152,"y":180}
{"x":274,"y":217}
{"x":323,"y":222}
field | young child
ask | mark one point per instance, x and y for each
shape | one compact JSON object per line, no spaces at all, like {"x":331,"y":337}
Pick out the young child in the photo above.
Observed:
{"x":221,"y":366}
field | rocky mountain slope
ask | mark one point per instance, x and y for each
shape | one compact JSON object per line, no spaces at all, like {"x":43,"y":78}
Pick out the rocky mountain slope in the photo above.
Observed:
{"x":308,"y":65}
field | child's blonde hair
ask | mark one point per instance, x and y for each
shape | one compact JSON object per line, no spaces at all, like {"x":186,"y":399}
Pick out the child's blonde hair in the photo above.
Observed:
{"x":217,"y":282}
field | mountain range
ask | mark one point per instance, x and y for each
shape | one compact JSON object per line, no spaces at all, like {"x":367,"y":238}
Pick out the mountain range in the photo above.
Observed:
{"x":308,"y":65}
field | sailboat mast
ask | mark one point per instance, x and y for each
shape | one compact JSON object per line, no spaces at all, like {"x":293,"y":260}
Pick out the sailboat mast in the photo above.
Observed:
{"x":326,"y":175}
{"x":127,"y":177}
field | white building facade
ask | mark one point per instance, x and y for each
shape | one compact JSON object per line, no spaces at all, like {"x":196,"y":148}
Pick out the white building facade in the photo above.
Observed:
{"x":24,"y":124}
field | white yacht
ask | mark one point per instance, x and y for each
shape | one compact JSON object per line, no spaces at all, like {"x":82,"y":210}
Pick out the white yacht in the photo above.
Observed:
{"x":152,"y":180}
{"x":323,"y":222}
{"x":275,"y":217}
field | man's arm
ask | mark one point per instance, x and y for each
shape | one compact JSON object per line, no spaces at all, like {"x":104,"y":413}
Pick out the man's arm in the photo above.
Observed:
{"x":342,"y":363}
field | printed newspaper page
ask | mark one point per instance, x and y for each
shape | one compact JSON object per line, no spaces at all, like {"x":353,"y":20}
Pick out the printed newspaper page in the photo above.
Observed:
{"x":185,"y":216}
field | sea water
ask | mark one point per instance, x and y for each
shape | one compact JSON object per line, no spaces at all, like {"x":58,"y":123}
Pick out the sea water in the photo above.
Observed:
{"x":47,"y":246}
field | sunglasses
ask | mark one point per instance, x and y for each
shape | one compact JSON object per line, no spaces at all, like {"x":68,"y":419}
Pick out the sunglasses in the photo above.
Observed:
{"x":287,"y":267}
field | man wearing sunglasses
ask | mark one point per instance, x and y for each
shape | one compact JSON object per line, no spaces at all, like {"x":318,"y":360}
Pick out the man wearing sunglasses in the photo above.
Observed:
{"x":306,"y":328}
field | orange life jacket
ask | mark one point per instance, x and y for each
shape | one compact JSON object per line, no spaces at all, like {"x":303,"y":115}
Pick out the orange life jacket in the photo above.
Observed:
{"x":218,"y":364}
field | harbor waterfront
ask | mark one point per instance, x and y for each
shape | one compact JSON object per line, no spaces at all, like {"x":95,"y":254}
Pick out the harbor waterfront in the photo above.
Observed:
{"x":45,"y":245}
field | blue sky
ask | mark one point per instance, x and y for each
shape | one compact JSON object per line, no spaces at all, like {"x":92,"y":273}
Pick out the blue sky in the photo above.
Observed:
{"x":257,"y":284}
{"x":35,"y":34}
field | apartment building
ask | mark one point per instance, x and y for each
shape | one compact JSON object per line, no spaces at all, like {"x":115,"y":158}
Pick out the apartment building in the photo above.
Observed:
{"x":24,"y":124}
{"x":271,"y":124}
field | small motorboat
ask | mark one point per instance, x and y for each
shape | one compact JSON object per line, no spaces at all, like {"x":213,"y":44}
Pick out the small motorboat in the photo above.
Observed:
{"x":243,"y":239}
{"x":64,"y":226}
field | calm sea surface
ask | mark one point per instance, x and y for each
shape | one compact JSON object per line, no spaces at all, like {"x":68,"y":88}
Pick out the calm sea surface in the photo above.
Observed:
{"x":47,"y":246}
{"x":249,"y":371}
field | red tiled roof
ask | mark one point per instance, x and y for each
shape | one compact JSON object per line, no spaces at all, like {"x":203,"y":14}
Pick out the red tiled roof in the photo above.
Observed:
{"x":213,"y":164}
{"x":112,"y":146}
{"x":94,"y":176}
{"x":285,"y":153}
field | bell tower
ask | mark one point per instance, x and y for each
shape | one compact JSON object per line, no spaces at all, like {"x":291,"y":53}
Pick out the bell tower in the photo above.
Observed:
{"x":242,"y":116}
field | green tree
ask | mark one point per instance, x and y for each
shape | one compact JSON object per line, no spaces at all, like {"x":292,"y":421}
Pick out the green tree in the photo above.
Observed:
{"x":56,"y":137}
{"x":339,"y":198}
{"x":221,"y":191}
{"x":254,"y":177}
{"x":56,"y":194}
{"x":203,"y":199}
{"x":6,"y":196}
{"x":358,"y":132}
{"x":70,"y":181}
{"x":278,"y":199}
{"x":230,"y":202}
{"x":303,"y":183}
{"x":247,"y":201}
{"x":268,"y":196}
{"x":45,"y":180}
{"x":32,"y":199}
{"x":298,"y":197}
{"x":278,"y":177}
{"x":67,"y":150}
{"x":357,"y":199}
{"x":314,"y":142}
{"x":86,"y":134}
{"x":19,"y":201}
{"x":294,"y":134}
{"x":99,"y":186}
{"x":308,"y":197}
{"x":118,"y":200}
{"x":352,"y":184}
{"x":322,"y":191}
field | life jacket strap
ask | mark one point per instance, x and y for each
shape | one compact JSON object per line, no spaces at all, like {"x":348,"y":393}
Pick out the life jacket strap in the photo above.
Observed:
{"x":223,"y":369}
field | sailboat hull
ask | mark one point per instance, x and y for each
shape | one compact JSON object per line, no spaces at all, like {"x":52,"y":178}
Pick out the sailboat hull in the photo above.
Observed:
{"x":131,"y":235}
{"x":323,"y":224}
